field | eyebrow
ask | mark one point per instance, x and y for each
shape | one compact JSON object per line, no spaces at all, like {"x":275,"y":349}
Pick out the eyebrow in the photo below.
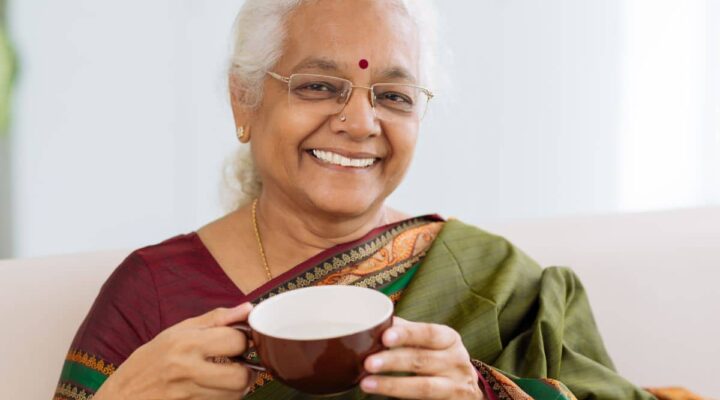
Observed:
{"x":328,"y":65}
{"x":324,"y":64}
{"x":398,"y":73}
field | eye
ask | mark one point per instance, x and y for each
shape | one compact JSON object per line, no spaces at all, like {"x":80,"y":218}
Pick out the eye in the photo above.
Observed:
{"x":396,"y":97}
{"x":318,"y":87}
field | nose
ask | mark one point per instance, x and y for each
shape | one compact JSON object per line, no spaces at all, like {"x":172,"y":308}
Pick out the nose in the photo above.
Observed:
{"x":360,"y":120}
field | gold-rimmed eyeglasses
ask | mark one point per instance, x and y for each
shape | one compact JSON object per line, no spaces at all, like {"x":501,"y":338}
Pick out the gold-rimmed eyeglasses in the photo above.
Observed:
{"x":327,"y":95}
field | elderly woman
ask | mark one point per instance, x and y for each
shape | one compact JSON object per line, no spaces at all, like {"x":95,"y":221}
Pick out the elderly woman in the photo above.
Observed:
{"x":330,"y":94}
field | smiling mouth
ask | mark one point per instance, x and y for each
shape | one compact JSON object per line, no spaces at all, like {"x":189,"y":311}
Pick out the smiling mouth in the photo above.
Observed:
{"x":331,"y":158}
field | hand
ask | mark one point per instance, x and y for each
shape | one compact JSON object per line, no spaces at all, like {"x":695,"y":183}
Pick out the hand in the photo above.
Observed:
{"x":435,"y":353}
{"x":176,"y":363}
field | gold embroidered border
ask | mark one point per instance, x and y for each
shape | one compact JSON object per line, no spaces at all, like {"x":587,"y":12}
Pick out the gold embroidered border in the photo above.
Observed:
{"x":68,"y":391}
{"x":388,"y":275}
{"x":506,"y":389}
{"x":261,"y":379}
{"x":560,"y":387}
{"x":399,"y":258}
{"x":499,"y":384}
{"x":396,"y":296}
{"x":91,"y":362}
{"x":336,"y":263}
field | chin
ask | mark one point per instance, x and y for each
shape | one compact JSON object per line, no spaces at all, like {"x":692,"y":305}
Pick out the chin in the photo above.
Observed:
{"x":344,"y":204}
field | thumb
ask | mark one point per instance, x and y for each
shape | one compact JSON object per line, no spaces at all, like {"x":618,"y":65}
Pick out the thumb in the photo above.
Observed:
{"x":220,"y":317}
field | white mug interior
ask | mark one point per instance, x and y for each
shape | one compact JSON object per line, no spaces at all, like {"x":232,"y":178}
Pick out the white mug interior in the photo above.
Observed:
{"x":320,"y":312}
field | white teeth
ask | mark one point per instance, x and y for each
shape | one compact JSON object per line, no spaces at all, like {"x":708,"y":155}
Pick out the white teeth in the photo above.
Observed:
{"x":336,"y":159}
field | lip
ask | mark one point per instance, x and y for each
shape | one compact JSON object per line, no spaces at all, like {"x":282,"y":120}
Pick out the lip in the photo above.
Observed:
{"x":334,"y":167}
{"x":345,"y":153}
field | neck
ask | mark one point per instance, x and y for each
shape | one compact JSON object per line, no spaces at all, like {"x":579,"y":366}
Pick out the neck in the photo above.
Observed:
{"x":292,"y":234}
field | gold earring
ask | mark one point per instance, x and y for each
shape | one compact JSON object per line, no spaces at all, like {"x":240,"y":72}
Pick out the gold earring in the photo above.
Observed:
{"x":243,"y":134}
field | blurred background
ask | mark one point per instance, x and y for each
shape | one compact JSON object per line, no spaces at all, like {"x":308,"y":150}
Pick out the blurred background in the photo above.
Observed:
{"x":120,"y":124}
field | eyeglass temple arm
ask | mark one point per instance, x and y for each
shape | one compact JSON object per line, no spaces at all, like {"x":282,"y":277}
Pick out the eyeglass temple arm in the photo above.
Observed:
{"x":279,"y":77}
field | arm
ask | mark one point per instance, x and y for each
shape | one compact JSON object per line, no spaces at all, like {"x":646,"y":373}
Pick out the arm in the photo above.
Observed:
{"x":124,"y":316}
{"x":562,"y":342}
{"x":120,"y":352}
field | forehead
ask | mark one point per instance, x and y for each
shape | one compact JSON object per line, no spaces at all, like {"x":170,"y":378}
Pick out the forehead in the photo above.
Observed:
{"x":347,"y":31}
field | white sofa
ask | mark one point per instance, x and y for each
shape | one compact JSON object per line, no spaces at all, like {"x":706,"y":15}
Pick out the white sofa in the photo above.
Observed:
{"x":652,"y":279}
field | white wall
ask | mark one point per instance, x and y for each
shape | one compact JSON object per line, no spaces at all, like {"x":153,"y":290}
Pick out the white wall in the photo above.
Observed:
{"x":122,"y":122}
{"x":663,"y":103}
{"x":530,"y":128}
{"x":711,"y":143}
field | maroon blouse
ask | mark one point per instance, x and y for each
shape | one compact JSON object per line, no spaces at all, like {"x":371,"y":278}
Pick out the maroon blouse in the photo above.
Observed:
{"x":137,"y":302}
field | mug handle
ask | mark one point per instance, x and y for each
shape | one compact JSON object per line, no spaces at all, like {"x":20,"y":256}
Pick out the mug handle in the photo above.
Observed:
{"x":247,"y":330}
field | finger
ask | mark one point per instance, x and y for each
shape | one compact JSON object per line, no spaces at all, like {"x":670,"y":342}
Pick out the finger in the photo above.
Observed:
{"x":230,"y":377}
{"x":219,"y":317}
{"x":400,"y":321}
{"x":413,"y":387}
{"x":420,"y":334}
{"x":221,"y":341}
{"x":407,"y":359}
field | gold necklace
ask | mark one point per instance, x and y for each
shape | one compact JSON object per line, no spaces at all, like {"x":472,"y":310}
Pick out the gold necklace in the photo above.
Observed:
{"x":259,"y":241}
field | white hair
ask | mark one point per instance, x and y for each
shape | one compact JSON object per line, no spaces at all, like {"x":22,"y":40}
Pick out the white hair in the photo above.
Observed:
{"x":258,"y":36}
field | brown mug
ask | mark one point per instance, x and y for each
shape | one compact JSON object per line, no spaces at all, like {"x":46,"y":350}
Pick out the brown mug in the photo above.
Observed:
{"x":316,"y":339}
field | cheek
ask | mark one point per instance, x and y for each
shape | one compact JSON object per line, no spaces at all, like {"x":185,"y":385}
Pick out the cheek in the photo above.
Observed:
{"x":403,"y":149}
{"x":283,"y":135}
{"x":402,"y":145}
{"x":294,"y":128}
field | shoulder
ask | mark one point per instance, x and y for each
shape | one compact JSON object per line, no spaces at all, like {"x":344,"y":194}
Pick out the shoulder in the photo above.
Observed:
{"x":136,"y":283}
{"x":175,"y":250}
{"x":142,"y":260}
{"x":468,"y":240}
{"x":470,"y":244}
{"x":128,"y":303}
{"x":142,"y":268}
{"x":489,"y":263}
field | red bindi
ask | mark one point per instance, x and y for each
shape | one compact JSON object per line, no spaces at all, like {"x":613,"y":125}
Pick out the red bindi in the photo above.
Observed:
{"x":363,"y":63}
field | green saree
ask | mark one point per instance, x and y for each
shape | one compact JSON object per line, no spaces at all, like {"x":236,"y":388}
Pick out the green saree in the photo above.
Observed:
{"x":533,"y":326}
{"x":530,"y":332}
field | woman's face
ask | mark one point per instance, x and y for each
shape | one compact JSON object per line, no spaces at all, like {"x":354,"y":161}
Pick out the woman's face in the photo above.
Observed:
{"x":330,"y":38}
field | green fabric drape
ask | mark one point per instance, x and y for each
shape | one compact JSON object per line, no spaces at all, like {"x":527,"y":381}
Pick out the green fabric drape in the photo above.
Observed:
{"x":512,"y":314}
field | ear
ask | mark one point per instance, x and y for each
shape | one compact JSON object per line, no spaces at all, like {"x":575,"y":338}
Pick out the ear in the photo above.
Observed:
{"x":242,"y":113}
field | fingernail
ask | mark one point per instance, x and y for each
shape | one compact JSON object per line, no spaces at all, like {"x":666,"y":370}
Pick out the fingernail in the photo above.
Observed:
{"x":391,"y":337}
{"x":376,"y":364}
{"x":368,"y":384}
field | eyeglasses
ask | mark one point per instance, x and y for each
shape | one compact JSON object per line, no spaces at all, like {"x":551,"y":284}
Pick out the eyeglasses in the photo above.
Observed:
{"x":328,"y":95}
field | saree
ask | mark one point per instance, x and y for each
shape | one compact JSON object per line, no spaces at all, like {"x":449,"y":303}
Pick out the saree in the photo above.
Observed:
{"x":529,"y":331}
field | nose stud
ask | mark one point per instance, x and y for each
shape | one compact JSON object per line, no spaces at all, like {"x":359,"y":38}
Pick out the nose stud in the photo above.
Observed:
{"x":343,"y":118}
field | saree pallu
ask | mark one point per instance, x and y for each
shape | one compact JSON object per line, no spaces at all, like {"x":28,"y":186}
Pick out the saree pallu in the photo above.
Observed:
{"x":527,"y":329}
